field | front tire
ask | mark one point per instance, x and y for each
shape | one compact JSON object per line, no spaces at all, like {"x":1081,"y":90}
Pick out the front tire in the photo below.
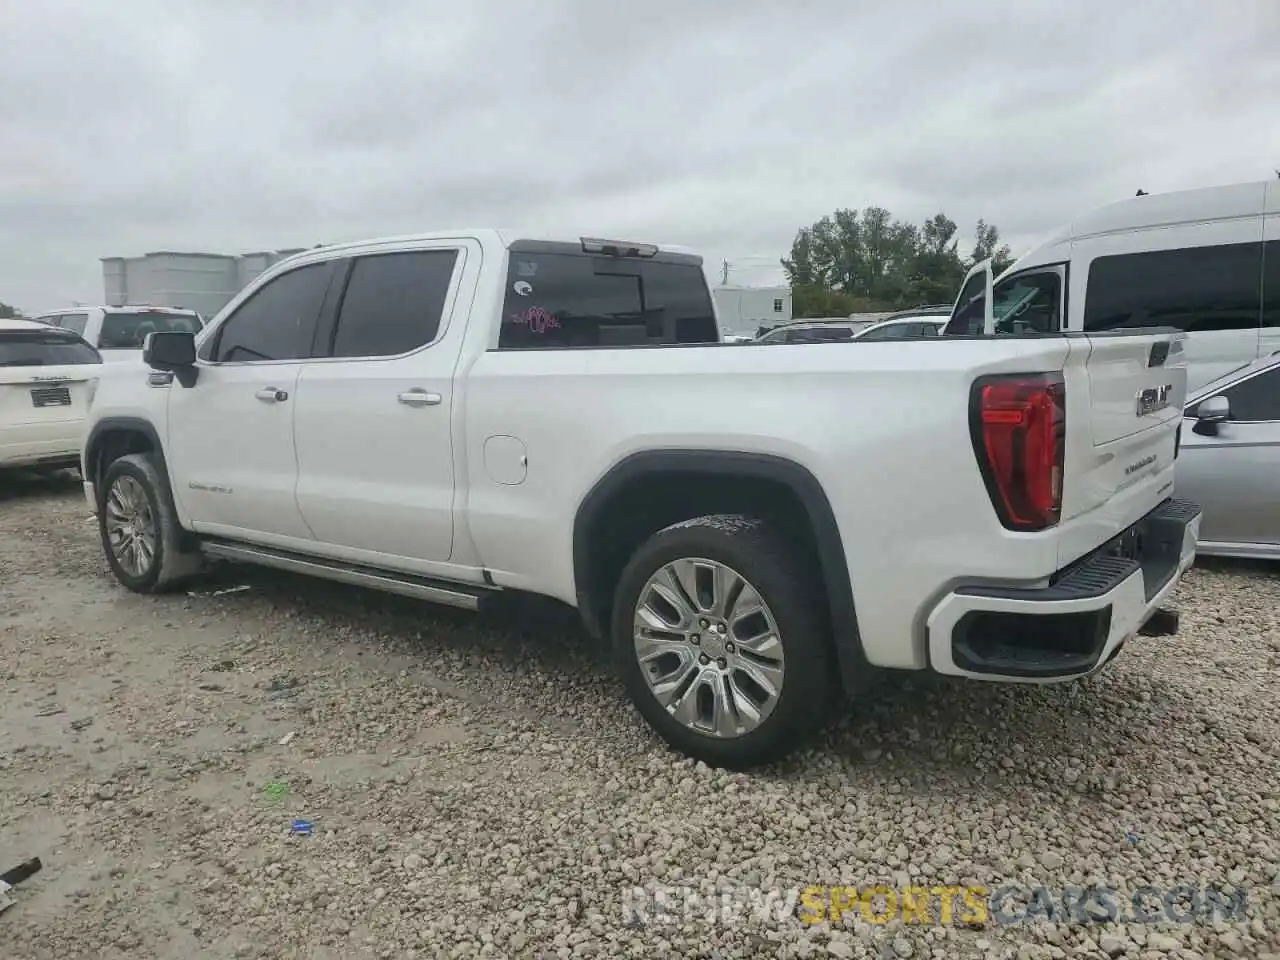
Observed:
{"x":138,"y":525}
{"x":721,"y":640}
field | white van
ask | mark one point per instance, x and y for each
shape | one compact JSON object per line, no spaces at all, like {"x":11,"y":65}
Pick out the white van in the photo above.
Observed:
{"x":1203,"y":261}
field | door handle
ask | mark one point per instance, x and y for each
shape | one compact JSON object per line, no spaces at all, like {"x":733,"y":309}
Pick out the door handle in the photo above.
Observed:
{"x":417,"y":397}
{"x":272,"y":395}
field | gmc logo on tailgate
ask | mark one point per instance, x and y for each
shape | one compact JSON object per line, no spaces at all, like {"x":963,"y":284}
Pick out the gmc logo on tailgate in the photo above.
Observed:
{"x":1150,"y":399}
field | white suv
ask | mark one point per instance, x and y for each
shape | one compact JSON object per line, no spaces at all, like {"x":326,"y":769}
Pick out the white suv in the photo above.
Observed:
{"x":47,"y":379}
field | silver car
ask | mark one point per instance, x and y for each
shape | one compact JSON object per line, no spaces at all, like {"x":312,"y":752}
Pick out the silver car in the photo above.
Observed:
{"x":1230,"y":461}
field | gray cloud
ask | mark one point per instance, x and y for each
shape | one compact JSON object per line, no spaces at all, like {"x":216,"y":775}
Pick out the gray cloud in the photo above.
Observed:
{"x":720,"y":125}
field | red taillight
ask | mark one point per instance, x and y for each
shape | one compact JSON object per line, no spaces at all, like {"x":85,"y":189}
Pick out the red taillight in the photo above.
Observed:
{"x":1018,"y":424}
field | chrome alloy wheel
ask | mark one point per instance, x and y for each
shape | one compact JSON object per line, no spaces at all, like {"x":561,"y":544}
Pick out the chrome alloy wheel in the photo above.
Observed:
{"x":131,"y":526}
{"x":708,"y":647}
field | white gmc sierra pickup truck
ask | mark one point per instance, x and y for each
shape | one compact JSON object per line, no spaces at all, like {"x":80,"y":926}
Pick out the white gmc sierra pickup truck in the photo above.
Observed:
{"x":752,"y":527}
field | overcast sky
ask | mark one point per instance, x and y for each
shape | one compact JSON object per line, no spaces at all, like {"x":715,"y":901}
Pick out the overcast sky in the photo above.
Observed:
{"x":231,"y":126}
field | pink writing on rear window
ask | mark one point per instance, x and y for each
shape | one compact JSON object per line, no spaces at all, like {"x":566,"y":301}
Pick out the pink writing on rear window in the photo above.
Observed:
{"x":537,"y":319}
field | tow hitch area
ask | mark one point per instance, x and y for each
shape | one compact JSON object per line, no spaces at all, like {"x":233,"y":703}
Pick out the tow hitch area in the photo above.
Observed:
{"x":1163,"y":622}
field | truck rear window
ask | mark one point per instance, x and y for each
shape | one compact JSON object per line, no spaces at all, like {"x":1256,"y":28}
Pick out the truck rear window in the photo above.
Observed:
{"x":43,"y":349}
{"x":127,"y":330}
{"x":560,"y":300}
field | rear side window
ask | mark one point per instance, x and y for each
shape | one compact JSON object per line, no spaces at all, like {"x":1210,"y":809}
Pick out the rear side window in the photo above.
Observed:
{"x":278,"y":321}
{"x":559,"y":300}
{"x":127,"y":330}
{"x":1196,"y":289}
{"x":393,"y":303}
{"x":43,"y":349}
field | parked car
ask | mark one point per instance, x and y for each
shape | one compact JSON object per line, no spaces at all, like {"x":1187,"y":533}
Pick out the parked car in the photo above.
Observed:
{"x":1203,"y":261}
{"x":1230,"y":461}
{"x":47,"y":379}
{"x":119,"y":332}
{"x":920,"y":322}
{"x":820,"y":330}
{"x":455,"y":416}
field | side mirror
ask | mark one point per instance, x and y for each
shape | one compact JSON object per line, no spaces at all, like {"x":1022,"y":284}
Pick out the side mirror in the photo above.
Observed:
{"x":174,"y":351}
{"x":1210,"y":412}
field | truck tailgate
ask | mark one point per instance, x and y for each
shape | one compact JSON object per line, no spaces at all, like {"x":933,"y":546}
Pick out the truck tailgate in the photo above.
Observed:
{"x":1134,"y":386}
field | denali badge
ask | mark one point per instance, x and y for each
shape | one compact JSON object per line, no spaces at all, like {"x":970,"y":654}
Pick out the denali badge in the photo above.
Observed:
{"x":1151,"y":399}
{"x":1135,"y":467}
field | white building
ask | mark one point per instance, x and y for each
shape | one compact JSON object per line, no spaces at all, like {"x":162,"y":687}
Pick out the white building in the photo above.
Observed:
{"x":744,"y":310}
{"x":203,"y":282}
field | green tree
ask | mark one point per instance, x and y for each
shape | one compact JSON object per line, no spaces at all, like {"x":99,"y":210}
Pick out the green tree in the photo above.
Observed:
{"x":8,"y":312}
{"x":987,"y":245}
{"x":866,"y":261}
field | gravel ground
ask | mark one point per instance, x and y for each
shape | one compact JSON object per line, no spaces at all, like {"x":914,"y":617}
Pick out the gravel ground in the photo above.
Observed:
{"x":481,"y":789}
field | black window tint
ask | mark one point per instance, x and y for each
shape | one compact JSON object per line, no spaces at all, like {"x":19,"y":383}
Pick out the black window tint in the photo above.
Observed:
{"x":39,"y":348}
{"x":278,"y":320}
{"x":929,"y":329}
{"x":577,"y":300}
{"x":1255,"y":399}
{"x":1196,"y":289}
{"x":1271,"y":285}
{"x":393,"y":302}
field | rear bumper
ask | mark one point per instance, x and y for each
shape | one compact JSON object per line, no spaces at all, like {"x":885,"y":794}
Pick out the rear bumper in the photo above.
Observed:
{"x":32,"y":448}
{"x":1075,"y":624}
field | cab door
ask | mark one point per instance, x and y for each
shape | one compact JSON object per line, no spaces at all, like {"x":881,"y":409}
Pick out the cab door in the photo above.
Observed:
{"x":230,"y":434}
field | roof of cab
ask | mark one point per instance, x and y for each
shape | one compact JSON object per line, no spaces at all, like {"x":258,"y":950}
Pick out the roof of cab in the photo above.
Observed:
{"x":502,"y":236}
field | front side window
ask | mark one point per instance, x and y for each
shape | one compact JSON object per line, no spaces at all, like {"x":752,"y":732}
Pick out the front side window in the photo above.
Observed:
{"x":559,"y":300}
{"x":127,"y":330}
{"x":40,"y":348}
{"x":393,"y":302}
{"x":1028,"y":303}
{"x":1025,"y":303}
{"x":277,"y":321}
{"x":1196,"y":289}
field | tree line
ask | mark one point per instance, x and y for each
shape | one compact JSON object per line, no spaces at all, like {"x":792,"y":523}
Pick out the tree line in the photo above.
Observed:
{"x":867,"y":262}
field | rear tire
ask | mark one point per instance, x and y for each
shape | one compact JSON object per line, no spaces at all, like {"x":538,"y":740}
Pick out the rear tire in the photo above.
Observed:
{"x":721,"y":640}
{"x":138,"y":525}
